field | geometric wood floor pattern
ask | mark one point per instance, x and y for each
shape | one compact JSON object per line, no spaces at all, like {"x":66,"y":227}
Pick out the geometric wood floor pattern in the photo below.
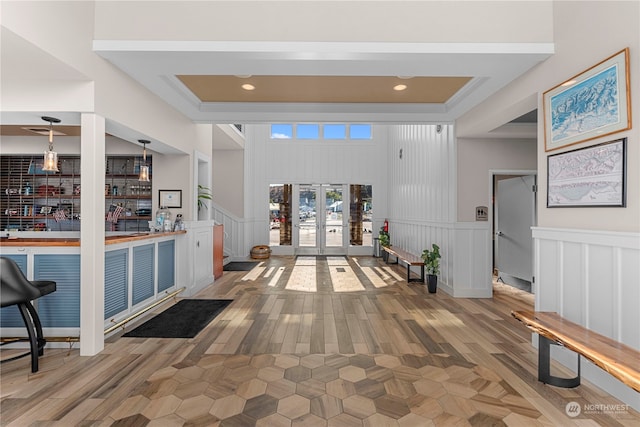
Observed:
{"x":327,"y":341}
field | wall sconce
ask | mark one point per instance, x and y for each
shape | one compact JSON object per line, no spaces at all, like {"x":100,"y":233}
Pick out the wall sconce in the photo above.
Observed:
{"x":144,"y":167}
{"x":50,"y":163}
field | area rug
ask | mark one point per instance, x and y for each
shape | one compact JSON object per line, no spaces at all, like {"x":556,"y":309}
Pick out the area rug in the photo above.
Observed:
{"x":182,"y":320}
{"x":240,"y":266}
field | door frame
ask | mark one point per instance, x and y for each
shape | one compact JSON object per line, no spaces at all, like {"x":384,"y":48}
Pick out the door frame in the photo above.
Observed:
{"x":490,"y":249}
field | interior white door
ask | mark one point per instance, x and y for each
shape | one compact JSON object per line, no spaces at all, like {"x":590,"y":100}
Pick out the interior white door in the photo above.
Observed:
{"x":515,"y":215}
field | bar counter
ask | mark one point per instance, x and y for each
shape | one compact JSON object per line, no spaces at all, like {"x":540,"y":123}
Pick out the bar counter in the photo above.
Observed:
{"x":70,"y":241}
{"x":139,"y":268}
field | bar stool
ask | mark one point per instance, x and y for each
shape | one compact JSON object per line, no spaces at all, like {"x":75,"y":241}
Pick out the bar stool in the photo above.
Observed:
{"x":16,"y":289}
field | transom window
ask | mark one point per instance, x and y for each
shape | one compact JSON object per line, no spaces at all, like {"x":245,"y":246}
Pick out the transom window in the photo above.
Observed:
{"x":315,"y":131}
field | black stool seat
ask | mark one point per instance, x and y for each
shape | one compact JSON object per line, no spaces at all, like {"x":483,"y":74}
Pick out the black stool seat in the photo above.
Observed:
{"x":44,"y":286}
{"x":16,"y":289}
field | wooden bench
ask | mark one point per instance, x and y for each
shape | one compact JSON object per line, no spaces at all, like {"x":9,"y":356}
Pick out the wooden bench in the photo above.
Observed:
{"x":409,"y":259}
{"x":620,"y":360}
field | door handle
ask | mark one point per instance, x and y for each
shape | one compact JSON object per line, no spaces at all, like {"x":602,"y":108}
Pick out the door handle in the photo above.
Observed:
{"x":499,"y":233}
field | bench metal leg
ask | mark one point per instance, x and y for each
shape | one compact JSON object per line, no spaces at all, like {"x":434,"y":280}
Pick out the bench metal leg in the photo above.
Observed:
{"x":409,"y":279}
{"x":544,"y":366}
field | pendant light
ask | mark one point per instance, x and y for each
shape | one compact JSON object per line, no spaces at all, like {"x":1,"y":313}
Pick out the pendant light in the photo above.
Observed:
{"x":50,"y":157}
{"x":144,"y":167}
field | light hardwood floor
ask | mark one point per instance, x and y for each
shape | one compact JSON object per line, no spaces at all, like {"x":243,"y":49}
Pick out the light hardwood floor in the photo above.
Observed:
{"x":327,"y":341}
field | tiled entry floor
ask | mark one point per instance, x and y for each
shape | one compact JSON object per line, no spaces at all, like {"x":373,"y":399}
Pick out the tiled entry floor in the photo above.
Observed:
{"x":335,"y":390}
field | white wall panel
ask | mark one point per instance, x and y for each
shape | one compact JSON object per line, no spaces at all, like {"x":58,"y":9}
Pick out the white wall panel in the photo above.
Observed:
{"x":591,"y":278}
{"x":292,"y":161}
{"x":472,"y":263}
{"x":573,"y":298}
{"x":234,"y":245}
{"x":600,"y":307}
{"x":548,"y":255}
{"x":422,"y":199}
{"x":628,"y":285}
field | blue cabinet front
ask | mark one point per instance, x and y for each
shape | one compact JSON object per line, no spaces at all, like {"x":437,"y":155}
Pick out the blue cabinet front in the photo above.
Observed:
{"x":10,"y":316}
{"x":60,"y":309}
{"x":116,"y":283}
{"x":166,"y":265}
{"x":143,"y":273}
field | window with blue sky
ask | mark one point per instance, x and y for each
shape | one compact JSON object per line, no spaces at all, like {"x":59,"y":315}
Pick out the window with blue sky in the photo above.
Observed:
{"x":281,"y":131}
{"x":308,"y":131}
{"x":329,"y":131}
{"x":337,"y":131}
{"x":360,"y":131}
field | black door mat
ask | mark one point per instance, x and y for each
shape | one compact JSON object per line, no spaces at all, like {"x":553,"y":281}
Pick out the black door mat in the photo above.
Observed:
{"x":185,"y":319}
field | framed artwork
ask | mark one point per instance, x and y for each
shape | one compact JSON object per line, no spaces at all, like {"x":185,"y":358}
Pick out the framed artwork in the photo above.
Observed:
{"x":594,"y":103}
{"x":170,"y":198}
{"x":591,"y":176}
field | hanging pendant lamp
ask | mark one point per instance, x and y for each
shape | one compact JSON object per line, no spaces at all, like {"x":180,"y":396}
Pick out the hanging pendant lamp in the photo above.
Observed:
{"x":50,"y":163}
{"x":144,"y":167}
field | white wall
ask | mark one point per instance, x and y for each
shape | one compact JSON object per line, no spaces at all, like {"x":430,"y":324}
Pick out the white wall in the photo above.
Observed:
{"x":575,"y":29}
{"x":586,"y":260}
{"x":280,"y":161}
{"x":228,"y":180}
{"x":422,"y":207}
{"x":476,"y":157}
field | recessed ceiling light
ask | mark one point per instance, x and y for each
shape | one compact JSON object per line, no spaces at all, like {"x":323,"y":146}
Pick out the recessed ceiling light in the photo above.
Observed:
{"x":243,"y":76}
{"x":568,"y":83}
{"x":248,"y":86}
{"x":399,"y":87}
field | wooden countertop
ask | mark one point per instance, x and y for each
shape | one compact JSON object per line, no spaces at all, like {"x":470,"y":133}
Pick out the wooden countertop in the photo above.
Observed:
{"x":55,"y":241}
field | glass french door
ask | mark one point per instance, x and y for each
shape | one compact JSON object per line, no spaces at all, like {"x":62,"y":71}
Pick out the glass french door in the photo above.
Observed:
{"x":322,"y":220}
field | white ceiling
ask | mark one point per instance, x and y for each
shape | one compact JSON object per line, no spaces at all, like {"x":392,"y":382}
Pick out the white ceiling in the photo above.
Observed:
{"x":156,"y":64}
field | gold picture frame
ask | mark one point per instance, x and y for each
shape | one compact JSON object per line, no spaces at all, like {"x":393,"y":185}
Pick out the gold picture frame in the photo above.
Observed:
{"x":592,"y":104}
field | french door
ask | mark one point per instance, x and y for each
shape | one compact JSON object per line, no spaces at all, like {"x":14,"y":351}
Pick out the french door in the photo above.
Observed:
{"x":321,"y":226}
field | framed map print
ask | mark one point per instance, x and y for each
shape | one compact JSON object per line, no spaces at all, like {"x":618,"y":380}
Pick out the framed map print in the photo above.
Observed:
{"x":592,"y":176}
{"x":595,"y":103}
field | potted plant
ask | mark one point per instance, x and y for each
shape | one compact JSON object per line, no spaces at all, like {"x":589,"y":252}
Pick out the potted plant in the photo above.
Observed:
{"x":385,"y":240}
{"x":204,"y":193}
{"x":432,"y":264}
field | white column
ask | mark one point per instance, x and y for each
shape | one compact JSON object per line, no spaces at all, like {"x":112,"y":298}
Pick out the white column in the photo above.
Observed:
{"x":92,"y":169}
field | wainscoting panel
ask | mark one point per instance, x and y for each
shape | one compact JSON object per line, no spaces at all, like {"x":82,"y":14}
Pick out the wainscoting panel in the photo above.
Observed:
{"x":472,"y":260}
{"x":627,"y":265}
{"x":422,"y":193}
{"x":573,"y":298}
{"x":234,"y":245}
{"x":591,"y":278}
